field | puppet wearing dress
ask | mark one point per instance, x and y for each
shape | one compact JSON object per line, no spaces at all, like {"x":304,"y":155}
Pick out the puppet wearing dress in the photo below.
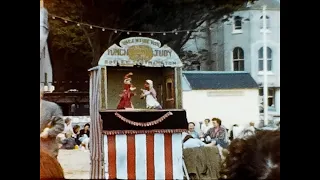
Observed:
{"x":126,"y":95}
{"x":150,"y":95}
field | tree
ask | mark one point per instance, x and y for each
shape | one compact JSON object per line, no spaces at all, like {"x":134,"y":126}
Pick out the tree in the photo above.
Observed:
{"x":139,"y":15}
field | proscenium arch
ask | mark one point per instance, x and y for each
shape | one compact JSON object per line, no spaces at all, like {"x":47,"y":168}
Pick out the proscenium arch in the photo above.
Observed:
{"x":161,"y":56}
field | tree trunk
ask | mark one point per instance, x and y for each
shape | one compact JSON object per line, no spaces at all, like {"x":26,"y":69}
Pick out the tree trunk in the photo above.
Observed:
{"x":97,"y":48}
{"x":90,"y":43}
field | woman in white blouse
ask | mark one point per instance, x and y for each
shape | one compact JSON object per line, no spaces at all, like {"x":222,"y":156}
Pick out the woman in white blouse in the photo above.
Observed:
{"x":206,"y":126}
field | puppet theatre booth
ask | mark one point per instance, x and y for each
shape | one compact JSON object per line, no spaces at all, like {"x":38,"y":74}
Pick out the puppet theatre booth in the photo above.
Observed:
{"x":136,"y":112}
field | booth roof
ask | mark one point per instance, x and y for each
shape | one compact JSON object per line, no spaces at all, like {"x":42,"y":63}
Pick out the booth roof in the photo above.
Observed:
{"x":94,"y":68}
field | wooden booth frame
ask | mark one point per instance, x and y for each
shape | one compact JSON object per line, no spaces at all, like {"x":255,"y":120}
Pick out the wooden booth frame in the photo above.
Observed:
{"x":135,"y":51}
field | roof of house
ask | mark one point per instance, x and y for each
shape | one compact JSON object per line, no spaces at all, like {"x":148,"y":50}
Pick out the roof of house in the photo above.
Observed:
{"x":204,"y":80}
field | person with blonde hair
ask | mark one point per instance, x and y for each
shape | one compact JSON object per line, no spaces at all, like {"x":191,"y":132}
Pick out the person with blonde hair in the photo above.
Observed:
{"x":51,"y":124}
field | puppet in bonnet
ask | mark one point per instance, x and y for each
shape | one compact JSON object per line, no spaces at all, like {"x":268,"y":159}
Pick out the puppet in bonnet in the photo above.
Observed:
{"x":150,"y":95}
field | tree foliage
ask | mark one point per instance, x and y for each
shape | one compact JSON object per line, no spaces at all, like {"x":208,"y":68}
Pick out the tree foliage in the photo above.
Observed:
{"x":139,"y":15}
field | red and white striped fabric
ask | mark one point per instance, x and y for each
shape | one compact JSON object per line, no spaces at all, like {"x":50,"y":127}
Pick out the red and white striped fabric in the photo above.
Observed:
{"x":143,"y":156}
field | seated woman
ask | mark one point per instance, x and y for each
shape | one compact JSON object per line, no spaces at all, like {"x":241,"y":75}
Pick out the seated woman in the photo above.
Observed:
{"x":49,"y":167}
{"x":84,"y":135}
{"x":69,"y":142}
{"x":217,"y":134}
{"x":76,"y":132}
{"x":192,"y":131}
{"x":254,"y":157}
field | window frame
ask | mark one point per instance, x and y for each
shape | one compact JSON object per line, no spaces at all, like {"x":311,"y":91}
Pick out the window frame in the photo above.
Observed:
{"x":268,"y":24}
{"x":239,"y":59}
{"x":237,"y":28}
{"x":269,"y":60}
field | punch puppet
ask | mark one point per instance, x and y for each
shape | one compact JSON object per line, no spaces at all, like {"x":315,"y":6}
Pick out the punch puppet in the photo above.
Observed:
{"x":127,"y":93}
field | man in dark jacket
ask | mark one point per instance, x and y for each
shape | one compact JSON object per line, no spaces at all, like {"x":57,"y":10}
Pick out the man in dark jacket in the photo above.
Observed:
{"x":51,"y":124}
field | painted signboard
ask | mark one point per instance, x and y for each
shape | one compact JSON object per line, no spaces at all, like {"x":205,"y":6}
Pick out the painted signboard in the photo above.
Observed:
{"x":140,"y":51}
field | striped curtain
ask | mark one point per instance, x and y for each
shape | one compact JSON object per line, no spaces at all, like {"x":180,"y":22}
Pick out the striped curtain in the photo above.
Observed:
{"x":143,"y":156}
{"x":96,"y":171}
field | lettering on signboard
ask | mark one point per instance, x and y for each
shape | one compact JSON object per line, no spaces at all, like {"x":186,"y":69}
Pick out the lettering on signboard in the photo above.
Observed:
{"x":140,"y":51}
{"x":117,"y":52}
{"x":146,"y":41}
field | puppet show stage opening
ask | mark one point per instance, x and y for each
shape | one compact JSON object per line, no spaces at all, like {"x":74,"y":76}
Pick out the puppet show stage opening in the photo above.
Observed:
{"x":163,"y":83}
{"x":137,"y":62}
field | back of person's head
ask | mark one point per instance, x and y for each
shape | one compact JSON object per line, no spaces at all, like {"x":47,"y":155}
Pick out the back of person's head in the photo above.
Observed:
{"x":67,"y":120}
{"x":254,"y":157}
{"x":49,"y":167}
{"x":68,"y":135}
{"x":186,"y":138}
{"x":76,"y":128}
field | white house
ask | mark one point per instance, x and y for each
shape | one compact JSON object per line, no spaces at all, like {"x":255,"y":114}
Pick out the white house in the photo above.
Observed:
{"x":45,"y":62}
{"x":239,"y":46}
{"x":231,"y":96}
{"x":236,"y":45}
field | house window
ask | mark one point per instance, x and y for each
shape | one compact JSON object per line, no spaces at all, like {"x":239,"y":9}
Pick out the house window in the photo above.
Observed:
{"x":237,"y":25}
{"x":238,"y":59}
{"x":269,"y":59}
{"x":271,"y":95}
{"x":267,"y":20}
